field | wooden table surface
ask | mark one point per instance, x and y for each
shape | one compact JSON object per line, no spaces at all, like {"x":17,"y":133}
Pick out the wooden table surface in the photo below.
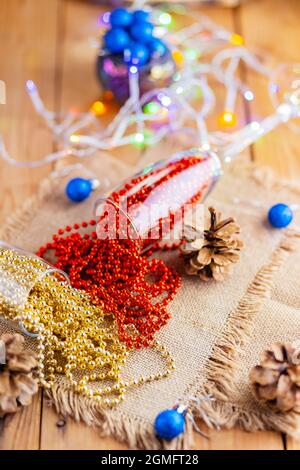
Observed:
{"x":49,"y":41}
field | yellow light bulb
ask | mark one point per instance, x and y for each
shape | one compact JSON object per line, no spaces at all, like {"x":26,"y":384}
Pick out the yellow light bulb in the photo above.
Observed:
{"x":98,"y":108}
{"x":178,"y":57}
{"x":74,"y":138}
{"x":227,"y":119}
{"x":236,"y":39}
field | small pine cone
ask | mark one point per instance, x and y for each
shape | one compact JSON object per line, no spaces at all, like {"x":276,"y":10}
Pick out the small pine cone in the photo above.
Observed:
{"x":276,"y":381}
{"x":211,"y":253}
{"x":17,"y":385}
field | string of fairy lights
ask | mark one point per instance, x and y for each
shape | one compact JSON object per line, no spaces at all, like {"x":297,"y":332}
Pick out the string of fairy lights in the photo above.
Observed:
{"x":204,"y":53}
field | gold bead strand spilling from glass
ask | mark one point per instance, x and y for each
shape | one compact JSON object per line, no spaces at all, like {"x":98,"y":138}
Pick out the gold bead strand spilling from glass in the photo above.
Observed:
{"x":75,"y":337}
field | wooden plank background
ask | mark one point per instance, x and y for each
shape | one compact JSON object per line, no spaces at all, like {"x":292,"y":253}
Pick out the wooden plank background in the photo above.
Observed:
{"x":48,"y":41}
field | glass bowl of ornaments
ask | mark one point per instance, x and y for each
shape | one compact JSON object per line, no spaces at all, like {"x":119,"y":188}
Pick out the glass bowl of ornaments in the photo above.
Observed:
{"x":130,"y":47}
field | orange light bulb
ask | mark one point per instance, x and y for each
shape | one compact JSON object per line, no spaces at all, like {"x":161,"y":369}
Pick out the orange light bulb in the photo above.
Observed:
{"x":227,"y":119}
{"x":236,"y":39}
{"x":178,"y":57}
{"x":98,"y":108}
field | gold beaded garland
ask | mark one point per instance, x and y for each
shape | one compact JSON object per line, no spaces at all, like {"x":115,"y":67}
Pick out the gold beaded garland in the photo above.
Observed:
{"x":75,"y":337}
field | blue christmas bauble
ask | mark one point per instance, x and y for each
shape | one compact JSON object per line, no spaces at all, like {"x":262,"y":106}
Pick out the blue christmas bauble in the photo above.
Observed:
{"x":141,"y":32}
{"x":116,"y":40}
{"x":169,"y":424}
{"x":280,"y":216}
{"x":120,"y":17}
{"x":140,"y":16}
{"x":157,"y":47}
{"x":137,"y":54}
{"x":79,"y":189}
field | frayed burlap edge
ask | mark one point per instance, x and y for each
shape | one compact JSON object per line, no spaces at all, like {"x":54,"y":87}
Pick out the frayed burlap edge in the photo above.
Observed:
{"x":223,"y":362}
{"x":220,"y":367}
{"x":21,"y":217}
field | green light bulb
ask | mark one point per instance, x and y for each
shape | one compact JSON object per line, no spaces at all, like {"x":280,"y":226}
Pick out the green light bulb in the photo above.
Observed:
{"x":151,"y":108}
{"x":138,"y":139}
{"x":191,"y":54}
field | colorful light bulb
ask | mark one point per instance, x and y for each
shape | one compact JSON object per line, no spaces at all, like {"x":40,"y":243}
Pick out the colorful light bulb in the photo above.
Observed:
{"x":152,"y":107}
{"x":165,"y":19}
{"x":74,"y":138}
{"x":105,"y":18}
{"x":165,"y":101}
{"x":133,"y":69}
{"x":176,"y":77}
{"x":249,"y":96}
{"x":227,"y":119}
{"x":138,"y":139}
{"x":178,"y":57}
{"x":236,"y":39}
{"x":31,"y":86}
{"x":191,"y":54}
{"x":98,"y":108}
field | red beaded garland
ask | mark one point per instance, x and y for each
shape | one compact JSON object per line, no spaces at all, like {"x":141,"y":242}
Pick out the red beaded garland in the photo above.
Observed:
{"x":116,"y":276}
{"x":112,"y":270}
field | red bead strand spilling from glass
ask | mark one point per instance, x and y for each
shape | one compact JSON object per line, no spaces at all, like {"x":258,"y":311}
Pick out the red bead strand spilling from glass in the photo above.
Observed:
{"x":130,"y":286}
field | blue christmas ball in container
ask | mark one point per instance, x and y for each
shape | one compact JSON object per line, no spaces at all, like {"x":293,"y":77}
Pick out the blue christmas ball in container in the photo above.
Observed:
{"x":157,"y":47}
{"x":280,"y":216}
{"x":121,"y":17}
{"x":140,"y":16}
{"x":142,"y":31}
{"x":169,"y":424}
{"x":129,"y":42}
{"x":116,"y":40}
{"x":137,"y":54}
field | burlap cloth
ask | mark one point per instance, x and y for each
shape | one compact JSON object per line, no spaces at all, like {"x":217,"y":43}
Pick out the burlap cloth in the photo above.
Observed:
{"x":217,"y":330}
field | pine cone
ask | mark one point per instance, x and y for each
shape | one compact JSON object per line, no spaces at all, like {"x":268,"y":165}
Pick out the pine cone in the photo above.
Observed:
{"x":17,"y":385}
{"x":211,"y":253}
{"x":276,"y":381}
